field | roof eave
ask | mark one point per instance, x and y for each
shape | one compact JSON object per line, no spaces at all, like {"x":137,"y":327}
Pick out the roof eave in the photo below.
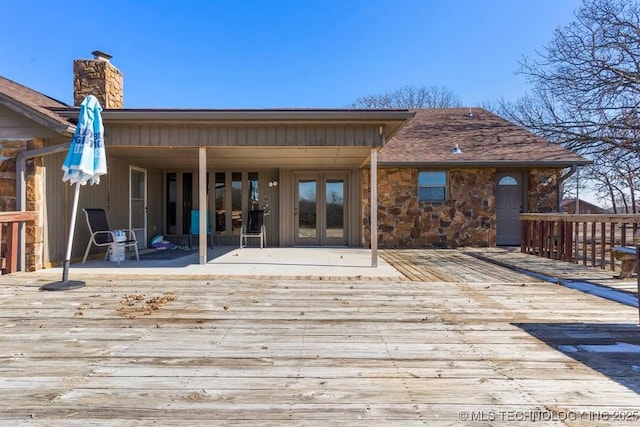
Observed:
{"x":60,"y":126}
{"x":488,"y":164}
{"x":390,"y":120}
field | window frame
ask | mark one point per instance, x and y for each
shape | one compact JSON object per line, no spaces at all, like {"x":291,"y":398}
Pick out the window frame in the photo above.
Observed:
{"x":445,"y":186}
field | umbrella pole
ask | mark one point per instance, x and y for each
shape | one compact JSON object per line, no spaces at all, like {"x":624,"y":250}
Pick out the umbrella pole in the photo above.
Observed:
{"x":65,"y":283}
{"x":72,"y":230}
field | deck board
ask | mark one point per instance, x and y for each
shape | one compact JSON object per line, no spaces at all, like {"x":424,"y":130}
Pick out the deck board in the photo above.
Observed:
{"x":459,"y":336}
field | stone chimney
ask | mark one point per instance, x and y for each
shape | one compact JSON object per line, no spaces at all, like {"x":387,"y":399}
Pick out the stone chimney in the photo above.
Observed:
{"x":97,"y":77}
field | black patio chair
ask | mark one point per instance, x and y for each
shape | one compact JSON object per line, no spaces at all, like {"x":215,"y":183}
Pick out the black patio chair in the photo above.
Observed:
{"x":254,"y":229}
{"x":103,"y":235}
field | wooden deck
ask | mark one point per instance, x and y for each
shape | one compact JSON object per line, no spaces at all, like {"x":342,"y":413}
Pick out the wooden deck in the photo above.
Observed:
{"x":463,"y":342}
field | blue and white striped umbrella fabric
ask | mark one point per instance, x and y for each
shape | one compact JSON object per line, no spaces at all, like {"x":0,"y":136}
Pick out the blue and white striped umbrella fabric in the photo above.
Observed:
{"x":86,"y":159}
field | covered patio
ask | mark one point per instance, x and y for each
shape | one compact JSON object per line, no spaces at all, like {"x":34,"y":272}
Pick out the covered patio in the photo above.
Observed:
{"x":301,"y":168}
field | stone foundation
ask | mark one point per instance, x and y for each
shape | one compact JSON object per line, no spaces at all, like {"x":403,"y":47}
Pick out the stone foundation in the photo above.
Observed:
{"x":466,"y":218}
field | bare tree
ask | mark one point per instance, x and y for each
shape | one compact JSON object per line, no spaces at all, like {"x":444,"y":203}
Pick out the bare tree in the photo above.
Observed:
{"x":614,"y":177}
{"x":410,"y":97}
{"x":588,"y":77}
{"x":586,"y":93}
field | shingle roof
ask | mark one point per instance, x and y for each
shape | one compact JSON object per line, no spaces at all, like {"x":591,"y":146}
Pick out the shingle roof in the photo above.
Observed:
{"x":483,"y":137}
{"x":34,"y":105}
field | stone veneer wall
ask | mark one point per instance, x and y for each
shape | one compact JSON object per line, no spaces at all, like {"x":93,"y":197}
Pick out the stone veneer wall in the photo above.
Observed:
{"x":98,"y":78}
{"x":467,"y":218}
{"x":543,"y":190}
{"x":9,"y":150}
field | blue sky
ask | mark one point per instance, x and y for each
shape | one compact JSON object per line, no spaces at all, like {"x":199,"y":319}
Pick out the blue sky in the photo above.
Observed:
{"x":269,"y":54}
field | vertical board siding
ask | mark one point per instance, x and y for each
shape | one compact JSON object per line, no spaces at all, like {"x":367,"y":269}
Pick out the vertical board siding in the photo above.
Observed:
{"x":287,"y":196}
{"x":111,"y":194}
{"x":351,"y":204}
{"x":273,"y":220}
{"x":192,"y":136}
{"x":54,"y":209}
{"x":155,"y":203}
{"x":58,"y":207}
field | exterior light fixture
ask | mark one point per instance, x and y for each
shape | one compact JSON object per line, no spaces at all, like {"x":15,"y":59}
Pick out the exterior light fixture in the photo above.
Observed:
{"x":273,"y":183}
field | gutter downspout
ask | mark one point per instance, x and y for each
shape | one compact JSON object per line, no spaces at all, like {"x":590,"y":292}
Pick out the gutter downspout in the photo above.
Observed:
{"x":561,"y":180}
{"x":21,"y":190}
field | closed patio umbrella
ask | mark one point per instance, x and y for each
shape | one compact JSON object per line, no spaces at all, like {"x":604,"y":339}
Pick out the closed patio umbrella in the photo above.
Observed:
{"x":85,"y":162}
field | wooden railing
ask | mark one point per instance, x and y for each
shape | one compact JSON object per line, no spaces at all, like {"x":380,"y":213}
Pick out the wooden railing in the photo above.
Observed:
{"x":579,"y":239}
{"x":10,"y":222}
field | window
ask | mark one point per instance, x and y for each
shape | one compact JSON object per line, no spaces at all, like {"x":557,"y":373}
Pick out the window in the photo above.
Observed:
{"x":432,"y":186}
{"x":507,"y":180}
{"x":254,"y":193}
{"x":236,"y":202}
{"x":220,"y":202}
{"x":172,"y":199}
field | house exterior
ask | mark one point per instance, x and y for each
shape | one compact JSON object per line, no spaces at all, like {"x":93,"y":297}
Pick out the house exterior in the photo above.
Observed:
{"x":459,"y":177}
{"x":310,"y":170}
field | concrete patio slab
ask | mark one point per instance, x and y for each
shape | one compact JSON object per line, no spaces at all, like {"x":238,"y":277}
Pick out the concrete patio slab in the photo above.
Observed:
{"x":336,"y":263}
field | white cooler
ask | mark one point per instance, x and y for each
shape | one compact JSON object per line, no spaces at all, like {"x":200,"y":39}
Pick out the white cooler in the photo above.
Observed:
{"x":116,"y":250}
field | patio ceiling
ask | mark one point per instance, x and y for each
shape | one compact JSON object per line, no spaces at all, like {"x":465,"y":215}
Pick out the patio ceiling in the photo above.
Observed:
{"x":242,"y":157}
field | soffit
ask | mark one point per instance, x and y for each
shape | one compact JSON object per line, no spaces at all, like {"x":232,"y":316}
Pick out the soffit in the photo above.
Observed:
{"x":177,"y":158}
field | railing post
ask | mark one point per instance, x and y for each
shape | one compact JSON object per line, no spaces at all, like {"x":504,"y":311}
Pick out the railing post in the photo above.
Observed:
{"x":560,"y":241}
{"x":612,"y":243}
{"x":584,"y":243}
{"x":12,"y":220}
{"x":545,"y":229}
{"x":638,"y":278}
{"x":603,"y":243}
{"x":593,"y":244}
{"x":569,"y":242}
{"x":12,"y":247}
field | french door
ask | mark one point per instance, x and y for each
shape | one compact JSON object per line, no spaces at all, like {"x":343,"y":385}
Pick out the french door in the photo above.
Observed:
{"x":319,"y":210}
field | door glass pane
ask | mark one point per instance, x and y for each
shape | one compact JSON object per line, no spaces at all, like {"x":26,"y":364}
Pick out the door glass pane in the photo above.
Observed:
{"x":307,"y":208}
{"x":137,"y":199}
{"x":507,"y":180}
{"x":137,"y":214}
{"x":236,"y":202}
{"x":254,"y":193}
{"x":137,"y":184}
{"x":138,"y":205}
{"x":334,"y":192}
{"x":220,"y":202}
{"x":171,"y":204}
{"x":187,"y":197}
